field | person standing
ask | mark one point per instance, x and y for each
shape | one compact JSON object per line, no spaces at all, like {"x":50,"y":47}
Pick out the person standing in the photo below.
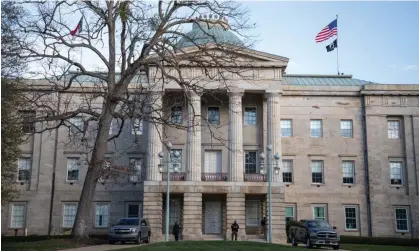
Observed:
{"x":234,"y":230}
{"x":176,"y":230}
{"x":263,"y":224}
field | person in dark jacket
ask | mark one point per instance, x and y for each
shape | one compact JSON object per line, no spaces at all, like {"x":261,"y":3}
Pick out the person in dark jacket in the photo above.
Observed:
{"x":263,"y":224}
{"x":234,"y":230}
{"x":176,"y":230}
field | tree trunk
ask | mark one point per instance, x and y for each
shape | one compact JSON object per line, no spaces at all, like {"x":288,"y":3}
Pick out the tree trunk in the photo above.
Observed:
{"x":84,"y":210}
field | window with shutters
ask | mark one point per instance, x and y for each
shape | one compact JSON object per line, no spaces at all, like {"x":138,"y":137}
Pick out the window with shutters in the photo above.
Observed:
{"x":286,"y":127}
{"x":24,"y":169}
{"x":287,"y":171}
{"x":101,"y":215}
{"x":18,"y":213}
{"x":348,"y":172}
{"x":73,"y":169}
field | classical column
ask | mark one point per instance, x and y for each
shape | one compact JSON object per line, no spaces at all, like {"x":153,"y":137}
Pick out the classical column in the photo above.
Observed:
{"x":274,"y":128}
{"x":155,"y":130}
{"x":193,"y":148}
{"x":235,"y":137}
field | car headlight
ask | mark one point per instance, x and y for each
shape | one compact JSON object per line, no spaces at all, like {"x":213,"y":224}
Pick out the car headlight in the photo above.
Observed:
{"x":133,"y":230}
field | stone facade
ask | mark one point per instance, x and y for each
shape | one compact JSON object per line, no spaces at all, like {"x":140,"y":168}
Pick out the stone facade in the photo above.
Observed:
{"x":212,"y":200}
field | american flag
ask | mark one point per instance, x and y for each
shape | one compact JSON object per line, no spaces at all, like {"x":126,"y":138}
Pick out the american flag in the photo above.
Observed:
{"x":329,"y":31}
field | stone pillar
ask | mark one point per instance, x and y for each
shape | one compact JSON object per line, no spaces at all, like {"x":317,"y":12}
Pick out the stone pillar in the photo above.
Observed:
{"x":236,"y":211}
{"x":152,"y":210}
{"x":235,"y":137}
{"x":274,"y":129}
{"x":278,"y":217}
{"x":192,"y":216}
{"x":155,"y":130}
{"x":193,"y":148}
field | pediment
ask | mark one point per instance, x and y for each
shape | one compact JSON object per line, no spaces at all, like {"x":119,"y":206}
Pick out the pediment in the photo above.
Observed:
{"x":237,"y":55}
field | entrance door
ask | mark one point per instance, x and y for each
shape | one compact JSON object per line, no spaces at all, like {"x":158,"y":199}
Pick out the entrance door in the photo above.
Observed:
{"x":213,"y":217}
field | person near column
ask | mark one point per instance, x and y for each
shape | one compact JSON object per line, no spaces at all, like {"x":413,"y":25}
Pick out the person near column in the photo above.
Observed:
{"x":263,"y":225}
{"x":176,"y":230}
{"x":234,"y":230}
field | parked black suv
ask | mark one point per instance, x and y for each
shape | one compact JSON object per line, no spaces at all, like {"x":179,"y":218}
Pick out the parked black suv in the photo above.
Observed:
{"x":313,"y":233}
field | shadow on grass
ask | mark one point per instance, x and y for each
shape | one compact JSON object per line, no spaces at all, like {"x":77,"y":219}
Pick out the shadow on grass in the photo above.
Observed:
{"x":51,"y":244}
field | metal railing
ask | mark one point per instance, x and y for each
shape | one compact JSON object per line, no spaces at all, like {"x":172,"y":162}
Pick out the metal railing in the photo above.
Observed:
{"x":254,"y":177}
{"x":214,"y":176}
{"x":174,"y":176}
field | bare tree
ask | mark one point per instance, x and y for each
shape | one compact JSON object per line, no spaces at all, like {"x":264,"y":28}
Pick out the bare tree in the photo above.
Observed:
{"x":134,"y":50}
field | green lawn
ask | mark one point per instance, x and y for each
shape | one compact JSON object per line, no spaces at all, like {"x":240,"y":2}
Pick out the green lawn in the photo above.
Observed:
{"x":364,"y":247}
{"x":45,"y":245}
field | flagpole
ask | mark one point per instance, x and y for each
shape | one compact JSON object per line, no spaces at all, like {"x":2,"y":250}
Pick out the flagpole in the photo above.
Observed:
{"x":337,"y":41}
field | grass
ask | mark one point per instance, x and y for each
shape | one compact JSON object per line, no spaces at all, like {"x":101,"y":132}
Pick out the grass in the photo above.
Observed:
{"x":46,"y":245}
{"x":365,"y":247}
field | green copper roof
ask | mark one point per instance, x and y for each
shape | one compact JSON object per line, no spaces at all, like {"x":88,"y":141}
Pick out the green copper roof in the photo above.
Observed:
{"x":205,"y":33}
{"x":323,"y":80}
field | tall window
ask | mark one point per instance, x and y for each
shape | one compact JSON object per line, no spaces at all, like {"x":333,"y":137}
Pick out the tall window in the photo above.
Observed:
{"x":76,"y":125}
{"x":73,"y":167}
{"x":396,"y":173}
{"x":348,"y":171}
{"x":176,"y":161}
{"x":250,"y":116}
{"x":28,"y":121}
{"x":402,"y":219}
{"x":316,"y":128}
{"x":135,"y":175}
{"x":69,"y":214}
{"x":137,"y":126}
{"x":317,"y":171}
{"x":102,"y":215}
{"x":286,"y":127}
{"x":346,"y":128}
{"x":393,"y":129}
{"x":252,"y":213}
{"x":24,"y":169}
{"x":351,"y":215}
{"x":289,"y":213}
{"x":176,"y":117}
{"x":319,"y":212}
{"x":214,"y":115}
{"x":133,"y":209}
{"x":250,"y":162}
{"x":17,"y":219}
{"x":287,"y":171}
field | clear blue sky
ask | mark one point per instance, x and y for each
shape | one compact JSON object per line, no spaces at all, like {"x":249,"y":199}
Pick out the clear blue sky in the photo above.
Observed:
{"x":378,"y":41}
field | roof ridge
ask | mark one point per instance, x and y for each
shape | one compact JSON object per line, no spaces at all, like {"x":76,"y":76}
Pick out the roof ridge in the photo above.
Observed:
{"x":318,"y":75}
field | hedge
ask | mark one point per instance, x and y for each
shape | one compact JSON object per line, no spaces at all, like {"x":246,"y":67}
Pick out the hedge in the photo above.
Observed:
{"x":390,"y":241}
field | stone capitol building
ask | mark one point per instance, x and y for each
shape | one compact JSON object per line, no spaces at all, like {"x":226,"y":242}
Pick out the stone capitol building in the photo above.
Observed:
{"x":349,"y":154}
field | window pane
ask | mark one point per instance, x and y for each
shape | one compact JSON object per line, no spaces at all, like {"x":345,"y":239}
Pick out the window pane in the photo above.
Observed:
{"x":69,"y":215}
{"x":401,"y":219}
{"x":316,"y":128}
{"x":348,"y":172}
{"x":287,"y":171}
{"x":133,"y":210}
{"x":72,"y":169}
{"x":350,"y":218}
{"x":18,"y":216}
{"x":286,"y":128}
{"x":250,"y":162}
{"x":177,"y":117}
{"x":317,"y":171}
{"x":102,"y":215}
{"x":396,"y":173}
{"x":249,"y":116}
{"x":76,"y":125}
{"x":393,"y":129}
{"x":346,"y":128}
{"x":135,"y":164}
{"x":24,"y":167}
{"x":28,"y":124}
{"x":137,"y":126}
{"x":319,"y":213}
{"x":214,"y":115}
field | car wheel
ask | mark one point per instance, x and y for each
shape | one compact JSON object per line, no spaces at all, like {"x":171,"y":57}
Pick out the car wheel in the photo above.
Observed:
{"x":336,"y":247}
{"x":148,"y":238}
{"x":308,"y":243}
{"x":293,"y":242}
{"x":138,"y":241}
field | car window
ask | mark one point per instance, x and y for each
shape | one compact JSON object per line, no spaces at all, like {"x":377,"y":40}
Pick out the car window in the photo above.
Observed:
{"x":130,"y":222}
{"x":317,"y":224}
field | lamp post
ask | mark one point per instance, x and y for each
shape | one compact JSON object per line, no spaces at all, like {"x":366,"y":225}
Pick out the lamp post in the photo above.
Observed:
{"x":161,"y":170}
{"x":269,"y":177}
